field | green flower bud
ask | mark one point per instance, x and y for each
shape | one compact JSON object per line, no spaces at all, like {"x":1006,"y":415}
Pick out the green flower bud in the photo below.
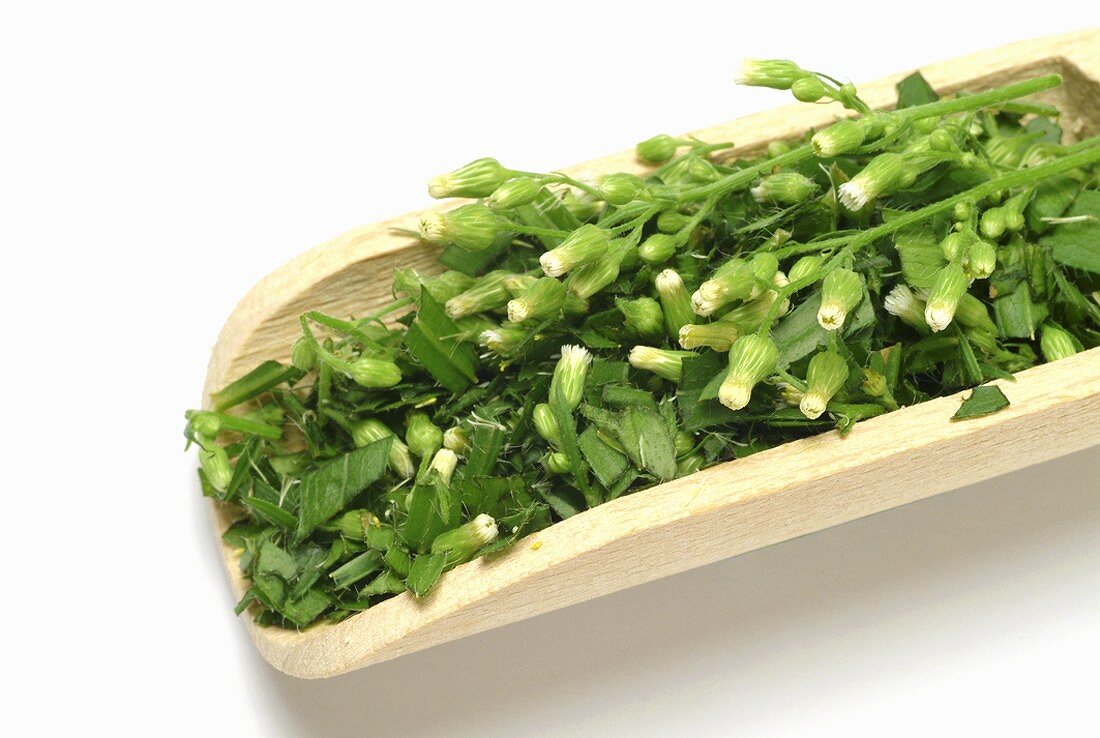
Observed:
{"x":422,"y":436}
{"x":943,"y":299}
{"x":702,"y":170}
{"x":955,"y":245}
{"x":621,"y":188}
{"x":980,"y":260}
{"x":1014,"y":210}
{"x":941,"y":140}
{"x":657,"y":150}
{"x":790,"y":395}
{"x":303,"y":354}
{"x":456,"y":439}
{"x":777,"y":148}
{"x":734,"y":280}
{"x":1056,"y":343}
{"x":778,"y":74}
{"x":643,"y":316}
{"x":784,"y":188}
{"x":460,"y":545}
{"x":374,"y":373}
{"x":591,"y":278}
{"x":842,"y":137}
{"x":370,"y":430}
{"x":354,"y":524}
{"x":583,"y":207}
{"x":749,"y":316}
{"x":808,"y":267}
{"x":972,"y":313}
{"x":665,"y":363}
{"x":448,"y":284}
{"x":658,"y":248}
{"x":841,"y":291}
{"x":515,"y":193}
{"x":518,"y":284}
{"x":671,"y":221}
{"x":557,"y":463}
{"x":444,"y":463}
{"x":684,"y":443}
{"x":808,"y":89}
{"x":962,"y":211}
{"x":503,"y":341}
{"x":543,"y":300}
{"x":471,"y":327}
{"x":901,"y":301}
{"x":586,"y":244}
{"x":214,"y":462}
{"x":993,"y":223}
{"x":690,"y":465}
{"x":205,"y":425}
{"x":752,"y":359}
{"x":546,"y":425}
{"x":472,"y":227}
{"x":675,"y":301}
{"x":874,"y":383}
{"x":718,"y":336}
{"x":886,"y":173}
{"x":827,"y":373}
{"x":489,"y":293}
{"x":477,"y":179}
{"x":570,"y":374}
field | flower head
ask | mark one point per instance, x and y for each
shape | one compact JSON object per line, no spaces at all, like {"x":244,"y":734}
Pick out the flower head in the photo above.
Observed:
{"x":827,"y":373}
{"x":477,"y":179}
{"x":570,"y":374}
{"x":752,"y":358}
{"x":943,"y":299}
{"x":583,"y":245}
{"x":841,"y":291}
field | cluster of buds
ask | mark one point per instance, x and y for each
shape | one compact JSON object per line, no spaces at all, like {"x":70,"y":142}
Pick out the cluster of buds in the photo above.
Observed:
{"x":784,"y":188}
{"x":479,"y":178}
{"x":826,"y":375}
{"x":737,"y":279}
{"x":368,"y":431}
{"x":841,"y":292}
{"x":586,"y":244}
{"x":472,"y":227}
{"x":1007,"y":217}
{"x":752,"y":359}
{"x":665,"y":363}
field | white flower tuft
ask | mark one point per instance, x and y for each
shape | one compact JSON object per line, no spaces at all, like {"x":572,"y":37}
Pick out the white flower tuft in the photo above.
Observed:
{"x":518,"y":310}
{"x":553,"y":265}
{"x":484,"y":529}
{"x":433,"y":227}
{"x":734,"y":395}
{"x":938,"y":316}
{"x":831,"y":315}
{"x":854,"y":195}
{"x":812,"y":405}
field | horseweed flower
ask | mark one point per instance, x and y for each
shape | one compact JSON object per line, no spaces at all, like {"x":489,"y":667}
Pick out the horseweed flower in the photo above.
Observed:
{"x":657,"y":248}
{"x":752,"y":359}
{"x":489,"y":293}
{"x":444,"y":463}
{"x":658,"y":149}
{"x":456,"y":439}
{"x":370,"y":430}
{"x":514,"y":193}
{"x":808,"y":267}
{"x":901,"y":301}
{"x":886,"y":173}
{"x":1056,"y":343}
{"x":479,"y":178}
{"x":463,"y":542}
{"x":543,"y":299}
{"x":841,"y":291}
{"x":545,"y":424}
{"x":827,"y":373}
{"x":583,"y":245}
{"x":642,"y":316}
{"x":675,"y":301}
{"x":619,"y":189}
{"x":422,"y":436}
{"x":779,"y":74}
{"x":472,"y":227}
{"x":665,"y":363}
{"x":841,"y":137}
{"x":503,"y":341}
{"x":943,"y":299}
{"x":718,"y":336}
{"x":570,"y":374}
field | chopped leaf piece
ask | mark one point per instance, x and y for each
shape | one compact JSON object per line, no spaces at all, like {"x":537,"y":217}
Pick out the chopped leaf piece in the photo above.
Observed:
{"x":984,"y":400}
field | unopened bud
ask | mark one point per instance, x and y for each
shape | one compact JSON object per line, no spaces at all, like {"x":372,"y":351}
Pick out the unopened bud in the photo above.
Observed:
{"x":886,"y":173}
{"x":675,"y":301}
{"x":371,"y":430}
{"x":842,"y":137}
{"x":570,"y":374}
{"x":489,"y":293}
{"x":456,"y":439}
{"x":557,"y":463}
{"x":841,"y":291}
{"x":591,"y":278}
{"x":993,"y":223}
{"x":778,"y":74}
{"x":658,"y":248}
{"x":472,"y":227}
{"x":808,"y":267}
{"x":874,"y":383}
{"x":303,"y":354}
{"x":515,"y":193}
{"x":826,"y":374}
{"x":971,"y":312}
{"x":542,"y":300}
{"x":374,"y":373}
{"x":752,"y":359}
{"x":444,"y":463}
{"x":671,"y":221}
{"x":503,"y":341}
{"x":586,"y":244}
{"x":214,"y":462}
{"x":943,"y":299}
{"x":784,"y":188}
{"x":642,"y":316}
{"x":1056,"y":343}
{"x":422,"y":436}
{"x":546,"y":425}
{"x":477,"y":179}
{"x":980,"y":260}
{"x":808,"y":89}
{"x":684,"y":443}
{"x":621,"y":188}
{"x":463,"y":542}
{"x":658,"y":149}
{"x":718,"y":336}
{"x":665,"y":363}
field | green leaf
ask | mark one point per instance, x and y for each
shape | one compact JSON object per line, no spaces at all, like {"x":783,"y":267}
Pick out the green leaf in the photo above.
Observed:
{"x":606,"y":463}
{"x":306,"y":609}
{"x":430,"y":340}
{"x":1052,"y":197}
{"x":984,"y":400}
{"x":271,"y":511}
{"x":1077,"y":245}
{"x":330,"y":487}
{"x":645,"y":437}
{"x":567,"y":426}
{"x":1015,"y":314}
{"x":486,"y":443}
{"x":915,"y":90}
{"x":358,"y":568}
{"x":425,"y":572}
{"x":266,"y":376}
{"x":274,"y":560}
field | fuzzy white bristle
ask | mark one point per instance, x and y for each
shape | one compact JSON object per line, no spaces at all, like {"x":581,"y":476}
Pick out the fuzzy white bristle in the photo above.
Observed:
{"x":433,"y":227}
{"x":552,"y":264}
{"x":938,"y":317}
{"x":900,"y":300}
{"x":708,"y":297}
{"x":485,"y":529}
{"x":734,"y":395}
{"x":812,"y":405}
{"x":853,"y":195}
{"x":518,"y":310}
{"x":439,"y":186}
{"x":444,"y":462}
{"x":668,"y":280}
{"x":759,"y":193}
{"x":831,"y":315}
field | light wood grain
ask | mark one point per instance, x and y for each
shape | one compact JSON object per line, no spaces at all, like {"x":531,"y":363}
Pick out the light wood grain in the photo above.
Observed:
{"x":729,"y":509}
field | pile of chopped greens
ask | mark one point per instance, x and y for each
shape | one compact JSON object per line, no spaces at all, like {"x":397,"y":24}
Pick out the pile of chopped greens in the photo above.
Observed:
{"x":587,"y":340}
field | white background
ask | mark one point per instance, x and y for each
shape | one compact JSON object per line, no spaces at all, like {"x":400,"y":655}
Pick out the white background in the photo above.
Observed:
{"x":158,"y":159}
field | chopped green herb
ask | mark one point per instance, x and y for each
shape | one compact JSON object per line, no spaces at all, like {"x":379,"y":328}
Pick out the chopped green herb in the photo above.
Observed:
{"x":584,"y":340}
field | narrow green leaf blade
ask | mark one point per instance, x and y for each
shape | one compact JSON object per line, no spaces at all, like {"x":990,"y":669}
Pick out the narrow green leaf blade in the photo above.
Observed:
{"x":328,"y":489}
{"x":984,"y":400}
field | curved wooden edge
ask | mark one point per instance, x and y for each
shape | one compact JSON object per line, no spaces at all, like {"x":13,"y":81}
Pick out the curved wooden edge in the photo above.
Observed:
{"x":341,"y":277}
